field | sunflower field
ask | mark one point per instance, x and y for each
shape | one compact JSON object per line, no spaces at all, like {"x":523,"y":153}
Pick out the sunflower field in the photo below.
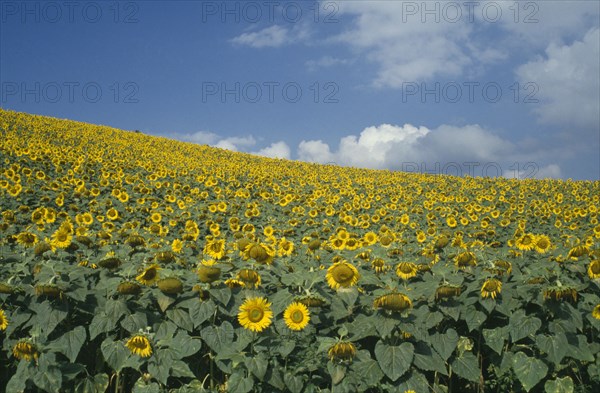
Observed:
{"x":133,"y":263}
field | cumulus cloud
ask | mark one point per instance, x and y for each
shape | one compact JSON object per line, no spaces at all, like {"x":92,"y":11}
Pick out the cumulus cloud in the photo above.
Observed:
{"x":568,"y":77}
{"x":233,"y":143}
{"x":470,"y":149}
{"x":276,"y":150}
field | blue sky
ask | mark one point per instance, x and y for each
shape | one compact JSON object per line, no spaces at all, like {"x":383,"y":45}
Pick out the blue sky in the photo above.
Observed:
{"x":481,"y":88}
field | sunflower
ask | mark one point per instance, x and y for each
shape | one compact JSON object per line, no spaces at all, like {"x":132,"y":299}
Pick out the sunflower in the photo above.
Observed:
{"x":491,"y":287}
{"x":596,"y":312}
{"x":559,"y":292}
{"x":155,"y":217}
{"x":150,"y":275}
{"x":139,"y":345}
{"x":234,"y":283}
{"x":255,"y":314}
{"x":526,"y":242}
{"x":296,"y":316}
{"x":24,"y":349}
{"x":285,"y":247}
{"x":27,"y":239}
{"x":342,"y":275}
{"x":249,"y":277}
{"x":447,"y":291}
{"x":3,"y":320}
{"x":464,"y":259}
{"x":406,"y":270}
{"x":542,"y":244}
{"x":61,"y":239}
{"x":215,"y":248}
{"x":578,"y":251}
{"x":393,"y":302}
{"x":311,"y":300}
{"x":594,"y":269}
{"x":343,"y":350}
{"x":378,"y":264}
{"x":112,"y":214}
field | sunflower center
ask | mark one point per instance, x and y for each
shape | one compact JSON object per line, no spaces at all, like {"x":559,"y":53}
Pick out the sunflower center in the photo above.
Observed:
{"x":526,"y":240}
{"x":406,"y":268}
{"x":62,"y":237}
{"x":491,"y":286}
{"x":343,"y":274}
{"x":150,"y":274}
{"x":595,"y":267}
{"x":255,"y":315}
{"x":297,"y":316}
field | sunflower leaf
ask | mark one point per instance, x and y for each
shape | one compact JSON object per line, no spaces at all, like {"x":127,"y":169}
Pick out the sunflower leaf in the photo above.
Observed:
{"x":530,"y":371}
{"x":559,"y":385}
{"x":554,"y":346}
{"x":218,"y":337}
{"x":521,"y":325}
{"x":394,"y":360}
{"x":466,"y":366}
{"x":445,"y":344}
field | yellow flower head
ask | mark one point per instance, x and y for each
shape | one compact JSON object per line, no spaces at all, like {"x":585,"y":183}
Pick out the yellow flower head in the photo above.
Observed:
{"x":491,"y":288}
{"x":150,"y":275}
{"x":342,"y":275}
{"x":406,"y":270}
{"x":343,"y":350}
{"x":3,"y":320}
{"x":255,"y":314}
{"x":24,"y":349}
{"x":296,"y":316}
{"x":139,"y":345}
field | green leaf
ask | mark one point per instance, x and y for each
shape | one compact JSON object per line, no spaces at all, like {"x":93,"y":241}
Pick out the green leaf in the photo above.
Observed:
{"x":70,"y":343}
{"x":394,"y":360}
{"x":201,"y":311}
{"x":467,"y":367}
{"x":521,"y":325}
{"x":48,"y":317}
{"x":221,"y":295}
{"x":530,"y":371}
{"x":579,"y":348}
{"x":445,"y":344}
{"x":337,"y":372}
{"x":97,"y":384}
{"x":141,"y":387}
{"x":184,"y":345}
{"x":134,"y":322}
{"x":218,"y":337}
{"x":238,"y":383}
{"x":257,"y":365}
{"x":368,"y":372}
{"x":495,"y":338}
{"x":115,"y":310}
{"x":181,"y":369}
{"x":560,"y":385}
{"x":115,"y":353}
{"x":49,"y":380}
{"x":294,"y":383}
{"x":181,"y":318}
{"x":429,"y":360}
{"x":286,"y":347}
{"x":554,"y":346}
{"x":473,"y":317}
{"x":100,"y":324}
{"x":164,"y":301}
{"x":17,"y":382}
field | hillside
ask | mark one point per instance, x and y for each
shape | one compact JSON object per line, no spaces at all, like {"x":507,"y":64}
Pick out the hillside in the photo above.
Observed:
{"x":133,"y":262}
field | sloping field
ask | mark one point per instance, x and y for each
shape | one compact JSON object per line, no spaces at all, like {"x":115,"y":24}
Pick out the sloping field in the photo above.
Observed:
{"x":137,"y":263}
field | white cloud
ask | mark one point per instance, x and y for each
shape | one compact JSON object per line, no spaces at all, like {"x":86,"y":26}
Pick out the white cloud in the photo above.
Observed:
{"x":273,"y":36}
{"x":276,"y":150}
{"x":315,"y":151}
{"x":470,"y":149}
{"x":325,"y":62}
{"x":551,"y":171}
{"x":209,"y":138}
{"x":569,"y":82}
